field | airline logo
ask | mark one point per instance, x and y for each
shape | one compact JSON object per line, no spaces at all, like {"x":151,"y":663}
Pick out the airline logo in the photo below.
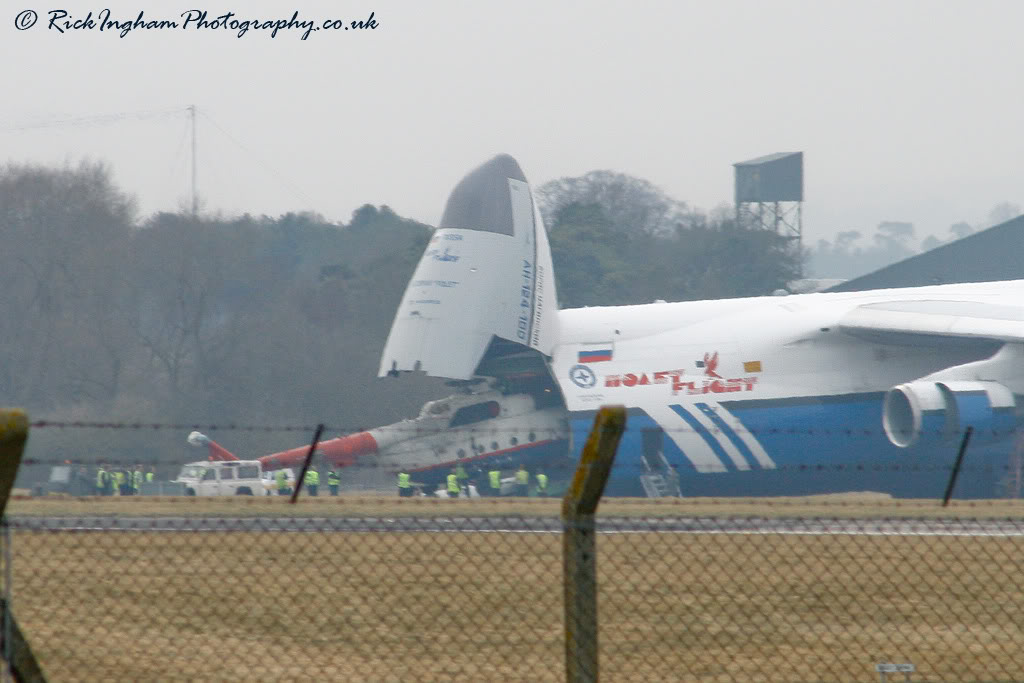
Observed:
{"x":710,"y":364}
{"x":714,"y":383}
{"x":594,"y":356}
{"x":631,"y":379}
{"x":710,"y":383}
{"x":438,"y":256}
{"x":713,"y":386}
{"x":679,"y":385}
{"x":582,"y":376}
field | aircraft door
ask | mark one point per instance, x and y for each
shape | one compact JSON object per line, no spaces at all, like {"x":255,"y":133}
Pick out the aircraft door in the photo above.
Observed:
{"x":651,"y":449}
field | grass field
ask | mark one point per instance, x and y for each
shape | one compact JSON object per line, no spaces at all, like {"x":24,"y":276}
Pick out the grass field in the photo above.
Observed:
{"x":866,"y":505}
{"x":367,"y":606}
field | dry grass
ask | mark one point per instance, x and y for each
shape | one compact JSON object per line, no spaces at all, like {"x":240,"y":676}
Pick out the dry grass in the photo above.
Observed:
{"x":857,"y":506}
{"x":239,"y":605}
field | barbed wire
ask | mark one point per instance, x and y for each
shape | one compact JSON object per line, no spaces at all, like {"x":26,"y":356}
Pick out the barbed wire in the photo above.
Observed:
{"x":878,"y":502}
{"x":544,"y":430}
{"x":567,"y":465}
{"x":174,"y":426}
{"x":910,"y":525}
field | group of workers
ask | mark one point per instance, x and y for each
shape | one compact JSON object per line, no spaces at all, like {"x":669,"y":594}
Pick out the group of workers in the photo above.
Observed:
{"x":125,"y":481}
{"x":311,"y":482}
{"x":458,"y":483}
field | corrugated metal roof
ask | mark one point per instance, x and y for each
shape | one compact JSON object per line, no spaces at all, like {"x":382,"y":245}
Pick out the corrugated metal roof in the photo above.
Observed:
{"x":766,"y":159}
{"x":987,"y":256}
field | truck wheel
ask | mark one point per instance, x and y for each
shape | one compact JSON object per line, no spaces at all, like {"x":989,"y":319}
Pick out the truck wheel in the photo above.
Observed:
{"x":190,"y":492}
{"x":243,"y":491}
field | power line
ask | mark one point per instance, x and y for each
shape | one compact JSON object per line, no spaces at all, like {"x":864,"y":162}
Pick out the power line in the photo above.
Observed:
{"x":97,"y":119}
{"x":191,"y":112}
{"x":259,"y":161}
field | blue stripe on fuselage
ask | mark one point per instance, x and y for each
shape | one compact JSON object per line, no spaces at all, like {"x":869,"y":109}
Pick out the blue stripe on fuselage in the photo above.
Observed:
{"x":708,"y":438}
{"x":730,"y":434}
{"x":819,"y":444}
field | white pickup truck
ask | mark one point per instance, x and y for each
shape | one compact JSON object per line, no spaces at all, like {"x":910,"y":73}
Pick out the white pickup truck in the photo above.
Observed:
{"x":230,"y":478}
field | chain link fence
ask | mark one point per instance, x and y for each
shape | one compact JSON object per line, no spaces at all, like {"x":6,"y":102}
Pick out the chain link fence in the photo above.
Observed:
{"x":459,"y":591}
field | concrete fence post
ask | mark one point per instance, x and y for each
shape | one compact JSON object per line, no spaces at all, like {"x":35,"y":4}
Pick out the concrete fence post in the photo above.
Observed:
{"x":21,"y":662}
{"x":579,"y":559}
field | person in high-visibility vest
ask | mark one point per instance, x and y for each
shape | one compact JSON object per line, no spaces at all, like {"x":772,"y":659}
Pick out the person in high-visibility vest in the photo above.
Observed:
{"x":122,"y":482}
{"x":460,"y":473}
{"x":151,"y":475}
{"x":312,"y":481}
{"x":333,"y":481}
{"x":542,"y":484}
{"x":103,"y":487}
{"x":522,"y":481}
{"x":136,"y":480}
{"x":404,"y":484}
{"x":494,"y":479}
{"x":282,"y":483}
{"x":453,"y":485}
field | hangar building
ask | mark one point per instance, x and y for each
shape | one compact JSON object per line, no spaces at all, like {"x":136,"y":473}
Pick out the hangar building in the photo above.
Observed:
{"x":993,"y":254}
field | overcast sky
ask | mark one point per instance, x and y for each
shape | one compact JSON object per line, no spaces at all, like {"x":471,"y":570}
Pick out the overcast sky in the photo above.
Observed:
{"x":909,"y":111}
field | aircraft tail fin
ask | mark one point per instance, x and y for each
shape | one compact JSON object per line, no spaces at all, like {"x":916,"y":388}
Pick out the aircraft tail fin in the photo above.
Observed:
{"x":486,"y":274}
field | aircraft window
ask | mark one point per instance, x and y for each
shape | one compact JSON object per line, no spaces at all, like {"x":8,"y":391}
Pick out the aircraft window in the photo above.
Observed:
{"x":227,"y":473}
{"x":532,"y":436}
{"x":474,"y":413}
{"x":248,"y":472}
{"x":462,"y":453}
{"x":513,"y":441}
{"x":209,"y":475}
{"x":494,"y":445}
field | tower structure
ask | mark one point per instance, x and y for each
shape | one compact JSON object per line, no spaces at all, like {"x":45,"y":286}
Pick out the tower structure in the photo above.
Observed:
{"x":770,"y":193}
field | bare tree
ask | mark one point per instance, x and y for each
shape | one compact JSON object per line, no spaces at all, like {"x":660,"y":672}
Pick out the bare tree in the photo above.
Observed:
{"x":64,"y":232}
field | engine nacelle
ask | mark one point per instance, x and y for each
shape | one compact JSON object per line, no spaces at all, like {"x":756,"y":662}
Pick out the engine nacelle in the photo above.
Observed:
{"x":941,"y":411}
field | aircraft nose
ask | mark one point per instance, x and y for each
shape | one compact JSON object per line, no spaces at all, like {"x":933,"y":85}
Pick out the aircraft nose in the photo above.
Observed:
{"x":481,"y":200}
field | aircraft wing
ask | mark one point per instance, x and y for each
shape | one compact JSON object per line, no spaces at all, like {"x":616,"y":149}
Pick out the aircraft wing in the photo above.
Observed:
{"x":911,"y":321}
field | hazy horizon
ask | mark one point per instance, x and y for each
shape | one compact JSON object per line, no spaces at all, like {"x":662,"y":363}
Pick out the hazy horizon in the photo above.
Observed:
{"x":904,"y":111}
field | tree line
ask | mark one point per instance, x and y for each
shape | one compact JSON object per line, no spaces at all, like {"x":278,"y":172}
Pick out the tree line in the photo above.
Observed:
{"x":852,"y":253}
{"x":173,"y":318}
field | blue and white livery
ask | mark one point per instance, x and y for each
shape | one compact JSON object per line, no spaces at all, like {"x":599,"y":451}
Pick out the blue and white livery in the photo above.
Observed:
{"x":770,"y":395}
{"x":793,"y":395}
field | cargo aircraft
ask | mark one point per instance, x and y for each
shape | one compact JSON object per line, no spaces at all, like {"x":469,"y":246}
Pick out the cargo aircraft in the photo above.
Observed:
{"x":774,"y":395}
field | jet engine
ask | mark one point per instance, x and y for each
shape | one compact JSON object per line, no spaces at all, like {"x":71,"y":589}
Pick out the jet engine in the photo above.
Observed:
{"x":934,"y":412}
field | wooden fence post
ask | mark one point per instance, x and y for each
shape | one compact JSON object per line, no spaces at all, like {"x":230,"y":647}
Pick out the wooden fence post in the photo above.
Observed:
{"x":579,"y":560}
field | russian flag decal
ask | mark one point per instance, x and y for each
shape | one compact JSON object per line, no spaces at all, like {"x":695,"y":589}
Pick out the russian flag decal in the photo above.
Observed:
{"x":595,"y":356}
